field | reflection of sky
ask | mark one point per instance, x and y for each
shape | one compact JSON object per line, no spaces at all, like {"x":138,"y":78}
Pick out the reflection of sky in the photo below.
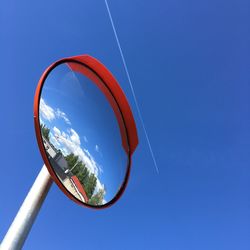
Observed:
{"x":79,"y":106}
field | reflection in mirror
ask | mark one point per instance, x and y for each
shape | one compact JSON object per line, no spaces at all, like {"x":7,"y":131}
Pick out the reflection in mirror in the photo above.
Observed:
{"x":81,"y":136}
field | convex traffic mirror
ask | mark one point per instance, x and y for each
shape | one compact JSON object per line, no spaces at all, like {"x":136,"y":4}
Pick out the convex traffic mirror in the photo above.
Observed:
{"x":85,"y":130}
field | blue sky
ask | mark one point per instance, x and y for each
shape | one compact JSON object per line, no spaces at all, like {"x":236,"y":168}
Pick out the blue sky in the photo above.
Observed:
{"x":189,"y":62}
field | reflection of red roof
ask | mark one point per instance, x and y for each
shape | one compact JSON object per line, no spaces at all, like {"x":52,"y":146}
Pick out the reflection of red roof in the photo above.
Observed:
{"x":80,"y":188}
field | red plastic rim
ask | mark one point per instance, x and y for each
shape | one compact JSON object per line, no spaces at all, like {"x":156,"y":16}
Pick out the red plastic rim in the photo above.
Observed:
{"x":106,"y":82}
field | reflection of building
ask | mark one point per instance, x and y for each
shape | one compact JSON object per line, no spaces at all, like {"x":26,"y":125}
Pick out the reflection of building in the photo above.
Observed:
{"x":63,"y":172}
{"x":51,"y":151}
{"x":56,"y":158}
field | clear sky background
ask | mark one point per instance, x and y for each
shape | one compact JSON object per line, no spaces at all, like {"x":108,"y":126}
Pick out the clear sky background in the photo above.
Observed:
{"x":189,"y":62}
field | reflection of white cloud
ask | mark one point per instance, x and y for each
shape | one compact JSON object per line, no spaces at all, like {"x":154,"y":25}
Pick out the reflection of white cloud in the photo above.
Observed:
{"x":97,"y":149}
{"x":57,"y":131}
{"x":41,"y":120}
{"x":61,"y":114}
{"x":70,"y":143}
{"x":46,"y":111}
{"x":75,"y":137}
{"x":99,"y":186}
{"x":54,"y":141}
{"x":100,"y":169}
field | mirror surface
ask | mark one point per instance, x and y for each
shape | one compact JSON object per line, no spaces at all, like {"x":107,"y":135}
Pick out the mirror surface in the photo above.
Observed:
{"x":81,"y":136}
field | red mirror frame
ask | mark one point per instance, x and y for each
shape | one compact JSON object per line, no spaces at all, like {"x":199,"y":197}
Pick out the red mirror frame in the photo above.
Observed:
{"x":106,"y":82}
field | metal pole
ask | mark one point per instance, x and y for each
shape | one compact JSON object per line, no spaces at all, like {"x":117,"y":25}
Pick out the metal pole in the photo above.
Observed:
{"x":20,"y":227}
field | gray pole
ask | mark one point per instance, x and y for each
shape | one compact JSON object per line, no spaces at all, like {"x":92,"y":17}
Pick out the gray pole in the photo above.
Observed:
{"x":20,"y":227}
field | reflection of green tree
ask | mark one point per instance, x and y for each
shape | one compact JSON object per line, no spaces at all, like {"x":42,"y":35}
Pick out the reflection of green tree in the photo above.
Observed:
{"x":87,"y":179}
{"x":97,"y":199}
{"x":45,"y":131}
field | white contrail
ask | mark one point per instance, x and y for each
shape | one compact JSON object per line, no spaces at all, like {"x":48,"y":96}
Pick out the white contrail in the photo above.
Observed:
{"x":131,"y":86}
